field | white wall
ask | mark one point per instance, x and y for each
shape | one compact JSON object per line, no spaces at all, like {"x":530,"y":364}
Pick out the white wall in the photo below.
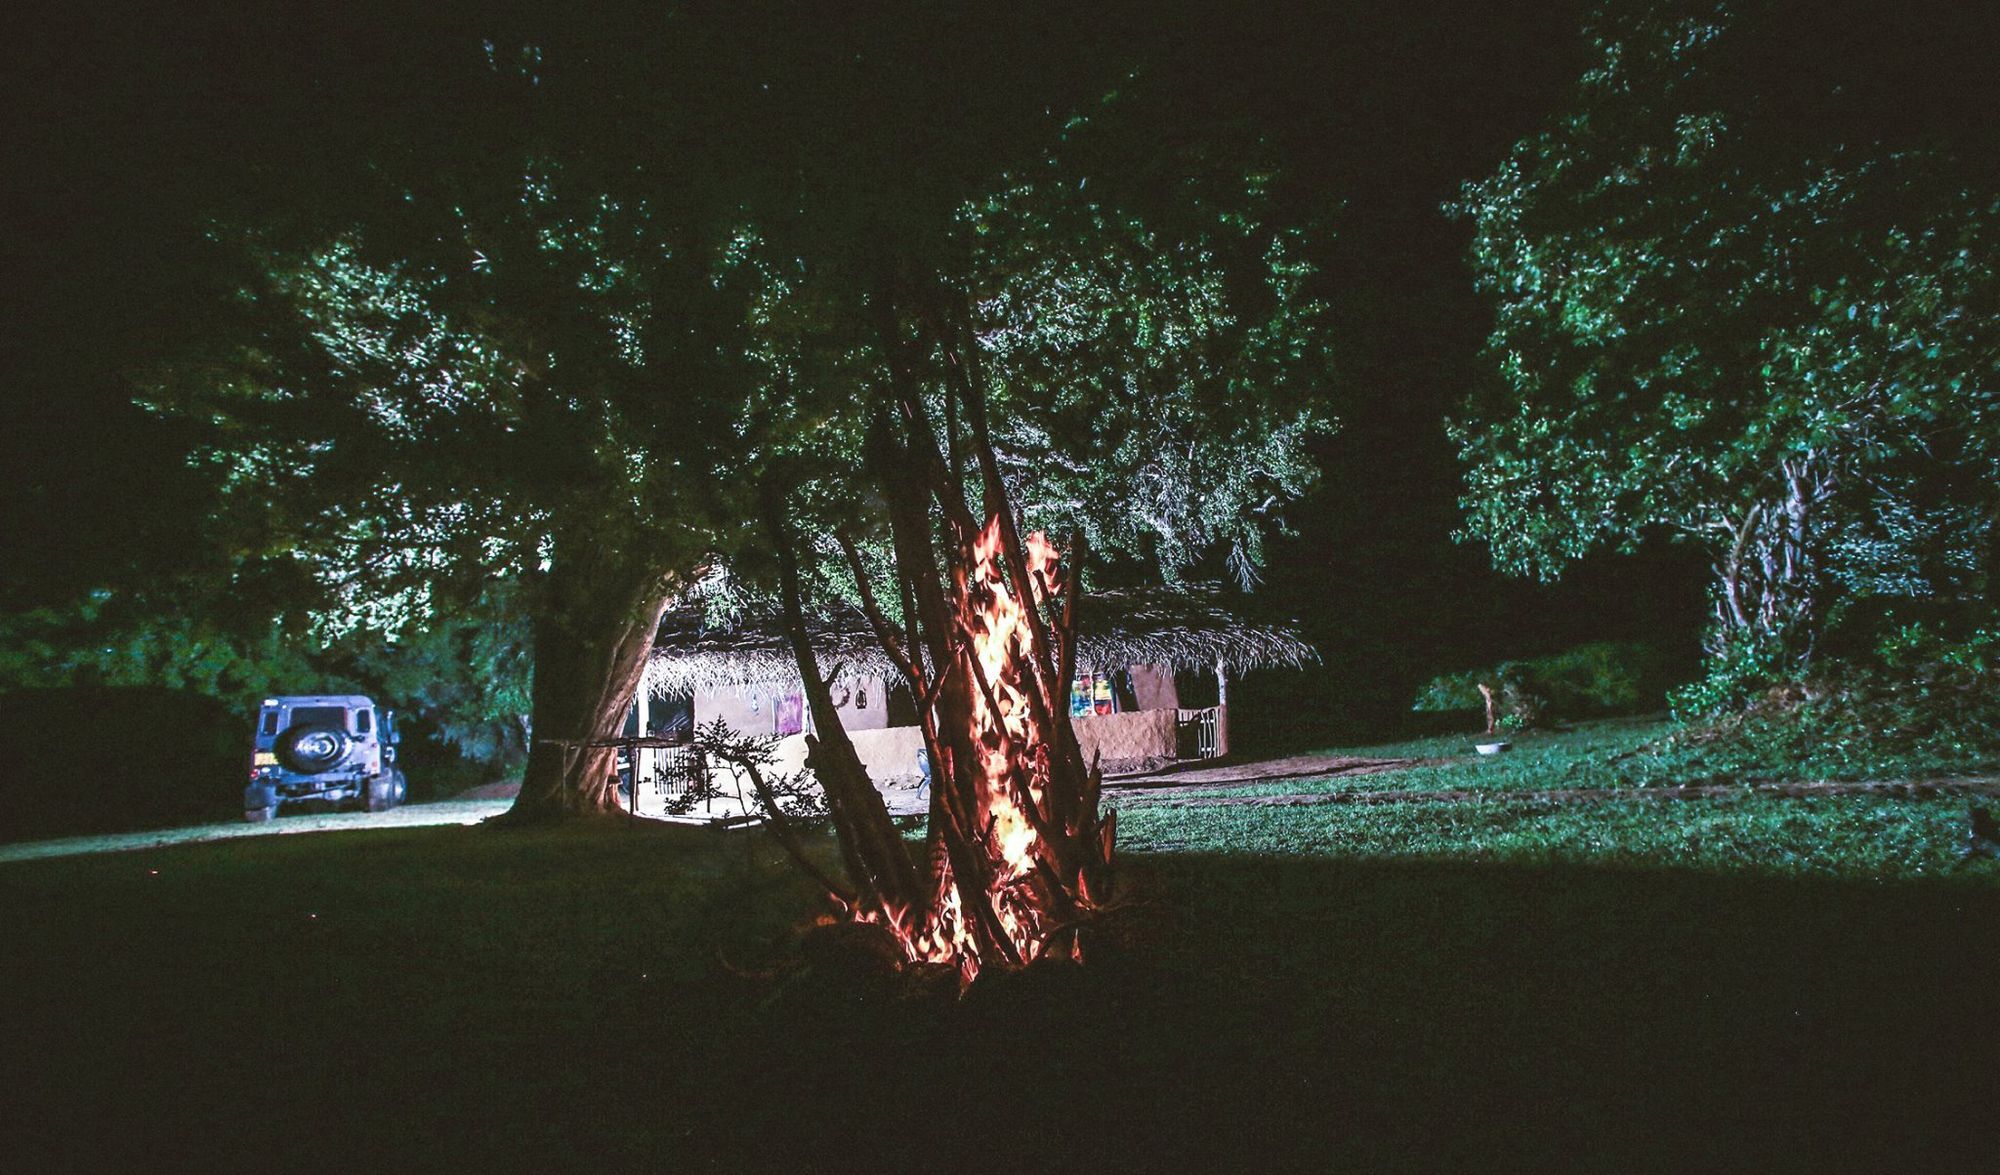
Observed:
{"x":863,"y":703}
{"x":748,"y":709}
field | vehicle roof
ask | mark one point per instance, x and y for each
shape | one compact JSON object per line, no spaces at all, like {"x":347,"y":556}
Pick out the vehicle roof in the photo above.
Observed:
{"x":352,"y":700}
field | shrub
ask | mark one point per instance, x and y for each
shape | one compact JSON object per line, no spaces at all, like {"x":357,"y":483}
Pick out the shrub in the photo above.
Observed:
{"x":1930,"y":720}
{"x":1730,"y":681}
{"x":1589,"y":681}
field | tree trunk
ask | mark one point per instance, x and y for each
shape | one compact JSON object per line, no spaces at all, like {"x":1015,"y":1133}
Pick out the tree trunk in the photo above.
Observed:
{"x":1769,"y":584}
{"x":871,"y":848}
{"x":594,"y":627}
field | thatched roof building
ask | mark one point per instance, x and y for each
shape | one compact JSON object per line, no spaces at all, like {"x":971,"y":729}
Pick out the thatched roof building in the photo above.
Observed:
{"x":1176,"y":628}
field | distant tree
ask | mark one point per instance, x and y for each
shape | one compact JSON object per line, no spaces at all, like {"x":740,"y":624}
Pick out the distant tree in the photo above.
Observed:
{"x":1741,"y":303}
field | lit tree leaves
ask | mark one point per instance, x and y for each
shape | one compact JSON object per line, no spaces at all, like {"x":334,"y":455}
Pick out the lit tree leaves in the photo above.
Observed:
{"x":1696,"y":298}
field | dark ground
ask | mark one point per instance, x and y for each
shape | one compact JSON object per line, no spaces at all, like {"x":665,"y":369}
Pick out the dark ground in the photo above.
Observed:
{"x":458,"y":997}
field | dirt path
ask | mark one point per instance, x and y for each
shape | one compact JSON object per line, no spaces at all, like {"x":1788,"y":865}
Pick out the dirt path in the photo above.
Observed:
{"x":1984,"y":785}
{"x":407,"y":816}
{"x":1260,"y":771}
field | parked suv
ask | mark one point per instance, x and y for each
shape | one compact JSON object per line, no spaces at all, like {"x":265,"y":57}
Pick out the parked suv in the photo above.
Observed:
{"x":339,"y":750}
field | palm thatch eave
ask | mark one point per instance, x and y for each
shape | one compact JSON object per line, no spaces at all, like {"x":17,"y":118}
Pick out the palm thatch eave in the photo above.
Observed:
{"x":1187,"y":628}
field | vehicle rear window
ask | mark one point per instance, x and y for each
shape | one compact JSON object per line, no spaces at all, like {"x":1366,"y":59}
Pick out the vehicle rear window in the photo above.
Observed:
{"x":334,"y":716}
{"x":364,"y":721}
{"x":270,"y":722}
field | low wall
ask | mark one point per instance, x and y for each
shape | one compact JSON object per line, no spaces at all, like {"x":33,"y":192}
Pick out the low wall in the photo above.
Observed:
{"x":1122,"y":741}
{"x":889,"y":753}
{"x":1123,"y":738}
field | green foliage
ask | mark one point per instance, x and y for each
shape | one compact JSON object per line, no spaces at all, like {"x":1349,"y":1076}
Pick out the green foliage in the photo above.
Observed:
{"x":1153,"y":362}
{"x":1589,"y":681}
{"x":1730,"y":680}
{"x":463,"y":678}
{"x":1160,"y":365}
{"x":1927,"y":647}
{"x":173,"y":641}
{"x":466,"y":677}
{"x":1720,"y":325}
{"x":423,"y":420}
{"x":1863,"y":725}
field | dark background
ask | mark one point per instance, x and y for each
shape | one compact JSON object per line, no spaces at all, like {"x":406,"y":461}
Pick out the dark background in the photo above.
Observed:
{"x":136,"y":122}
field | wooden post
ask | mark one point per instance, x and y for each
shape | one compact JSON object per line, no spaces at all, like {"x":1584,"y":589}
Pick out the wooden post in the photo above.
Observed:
{"x":642,"y":757}
{"x":1221,"y":709}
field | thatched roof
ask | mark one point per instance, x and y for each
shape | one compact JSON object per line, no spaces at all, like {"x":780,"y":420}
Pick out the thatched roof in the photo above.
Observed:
{"x":1180,"y":628}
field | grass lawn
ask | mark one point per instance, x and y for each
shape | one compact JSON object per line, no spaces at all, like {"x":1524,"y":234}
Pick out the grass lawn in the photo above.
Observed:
{"x":1631,"y":984}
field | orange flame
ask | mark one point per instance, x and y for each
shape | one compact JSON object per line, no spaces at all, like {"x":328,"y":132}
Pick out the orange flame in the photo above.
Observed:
{"x":1011,"y":761}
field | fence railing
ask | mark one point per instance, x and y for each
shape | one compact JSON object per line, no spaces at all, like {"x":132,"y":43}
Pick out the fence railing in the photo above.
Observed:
{"x":669,"y":768}
{"x":1195,"y":734}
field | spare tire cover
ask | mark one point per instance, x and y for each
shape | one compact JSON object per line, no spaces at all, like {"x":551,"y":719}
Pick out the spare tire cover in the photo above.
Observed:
{"x":311,"y":749}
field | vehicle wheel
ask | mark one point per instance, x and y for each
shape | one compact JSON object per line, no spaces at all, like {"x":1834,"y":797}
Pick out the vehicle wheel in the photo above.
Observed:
{"x":385,"y":791}
{"x":260,"y":802}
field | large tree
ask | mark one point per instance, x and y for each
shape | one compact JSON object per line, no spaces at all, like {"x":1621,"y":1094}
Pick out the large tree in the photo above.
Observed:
{"x":622,"y":294}
{"x":504,"y":350}
{"x":521,"y":339}
{"x":1744,"y":297}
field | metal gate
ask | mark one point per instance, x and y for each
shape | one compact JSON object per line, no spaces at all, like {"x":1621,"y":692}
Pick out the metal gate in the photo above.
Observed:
{"x":1194,"y":734}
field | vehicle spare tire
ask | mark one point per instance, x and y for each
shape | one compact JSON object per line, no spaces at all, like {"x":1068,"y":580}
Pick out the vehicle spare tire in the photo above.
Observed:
{"x":310,"y":750}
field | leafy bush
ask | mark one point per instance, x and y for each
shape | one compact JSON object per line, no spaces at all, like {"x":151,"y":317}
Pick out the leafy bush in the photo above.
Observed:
{"x":1921,"y":648}
{"x":1731,"y":681}
{"x":1589,"y":681}
{"x":1937,"y":719}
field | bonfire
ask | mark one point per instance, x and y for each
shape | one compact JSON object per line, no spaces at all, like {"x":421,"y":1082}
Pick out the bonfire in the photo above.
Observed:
{"x":1017,"y":854}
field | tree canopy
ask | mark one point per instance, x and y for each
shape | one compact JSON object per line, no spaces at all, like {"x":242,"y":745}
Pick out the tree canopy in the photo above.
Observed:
{"x":1749,"y":312}
{"x":1151,"y":362}
{"x":556,"y":337}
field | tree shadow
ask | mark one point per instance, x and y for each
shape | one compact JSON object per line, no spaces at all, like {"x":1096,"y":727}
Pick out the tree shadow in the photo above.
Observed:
{"x":1428,"y":1015}
{"x":1236,"y":1011}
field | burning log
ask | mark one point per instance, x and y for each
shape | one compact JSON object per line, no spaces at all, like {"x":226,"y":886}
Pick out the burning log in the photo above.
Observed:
{"x":1017,"y":852}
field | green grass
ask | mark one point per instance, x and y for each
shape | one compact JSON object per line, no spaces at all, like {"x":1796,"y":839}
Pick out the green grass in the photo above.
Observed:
{"x":1537,"y":754}
{"x":1831,"y":837}
{"x":1619,"y":753}
{"x":1539,"y":760}
{"x":1629,"y":984}
{"x":1847,"y":837}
